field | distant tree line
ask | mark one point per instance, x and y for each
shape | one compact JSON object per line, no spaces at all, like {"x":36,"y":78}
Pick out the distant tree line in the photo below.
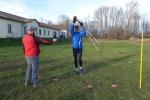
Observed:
{"x":113,"y":22}
{"x":118,"y":23}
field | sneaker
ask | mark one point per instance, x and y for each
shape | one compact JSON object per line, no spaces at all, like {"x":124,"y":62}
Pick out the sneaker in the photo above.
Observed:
{"x":81,"y":71}
{"x":77,"y":73}
{"x":26,"y":84}
{"x":34,"y":86}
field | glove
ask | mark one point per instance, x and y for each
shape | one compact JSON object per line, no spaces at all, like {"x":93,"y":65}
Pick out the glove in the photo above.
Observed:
{"x":74,"y":19}
{"x":81,"y":24}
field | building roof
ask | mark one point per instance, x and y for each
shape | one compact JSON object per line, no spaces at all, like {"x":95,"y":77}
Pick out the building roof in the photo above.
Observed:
{"x":48,"y":26}
{"x":16,"y":18}
{"x":13,"y":17}
{"x":60,"y":27}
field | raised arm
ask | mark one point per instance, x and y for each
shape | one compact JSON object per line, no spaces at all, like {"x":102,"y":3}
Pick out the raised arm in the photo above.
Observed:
{"x":72,"y":28}
{"x":83,"y":32}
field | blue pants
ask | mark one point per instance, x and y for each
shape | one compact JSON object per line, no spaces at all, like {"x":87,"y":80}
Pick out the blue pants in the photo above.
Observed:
{"x":32,"y":70}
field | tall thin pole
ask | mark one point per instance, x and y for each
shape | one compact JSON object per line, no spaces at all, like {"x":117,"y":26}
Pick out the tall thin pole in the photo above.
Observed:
{"x":141,"y":61}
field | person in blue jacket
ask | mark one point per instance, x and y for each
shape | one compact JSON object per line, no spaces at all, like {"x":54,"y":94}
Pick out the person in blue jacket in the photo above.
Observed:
{"x":77,"y":45}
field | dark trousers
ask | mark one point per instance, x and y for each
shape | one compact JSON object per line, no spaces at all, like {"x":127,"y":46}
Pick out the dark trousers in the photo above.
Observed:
{"x":77,"y":53}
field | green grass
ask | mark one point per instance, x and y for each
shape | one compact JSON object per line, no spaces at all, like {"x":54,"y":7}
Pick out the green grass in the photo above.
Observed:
{"x":110,"y":66}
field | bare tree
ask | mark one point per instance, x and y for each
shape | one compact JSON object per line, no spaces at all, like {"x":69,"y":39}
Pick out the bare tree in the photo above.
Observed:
{"x":132,"y":17}
{"x":114,"y":22}
{"x":110,"y":21}
{"x":64,"y":21}
{"x":145,"y":27}
{"x":43,"y":20}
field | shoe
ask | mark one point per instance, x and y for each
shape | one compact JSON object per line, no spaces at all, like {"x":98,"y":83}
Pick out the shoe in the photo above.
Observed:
{"x":81,"y":71}
{"x":26,"y":84}
{"x":77,"y":73}
{"x":34,"y":86}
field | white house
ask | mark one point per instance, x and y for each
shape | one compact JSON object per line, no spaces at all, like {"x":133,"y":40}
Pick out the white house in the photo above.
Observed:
{"x":63,"y":34}
{"x":15,"y":26}
{"x":64,"y":31}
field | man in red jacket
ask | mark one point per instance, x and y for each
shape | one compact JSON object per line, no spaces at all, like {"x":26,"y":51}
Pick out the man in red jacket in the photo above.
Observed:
{"x":31,"y":45}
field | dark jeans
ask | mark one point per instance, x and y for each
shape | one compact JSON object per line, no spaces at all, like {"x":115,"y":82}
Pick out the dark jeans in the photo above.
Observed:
{"x":77,"y":53}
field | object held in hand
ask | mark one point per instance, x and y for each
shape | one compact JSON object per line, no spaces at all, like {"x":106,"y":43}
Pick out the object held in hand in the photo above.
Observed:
{"x":74,"y":19}
{"x":81,"y":24}
{"x":55,"y":40}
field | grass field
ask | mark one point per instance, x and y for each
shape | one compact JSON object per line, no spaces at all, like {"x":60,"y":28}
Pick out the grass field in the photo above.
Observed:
{"x":118,"y":63}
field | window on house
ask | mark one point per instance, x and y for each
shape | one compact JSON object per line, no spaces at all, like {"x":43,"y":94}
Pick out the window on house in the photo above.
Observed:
{"x":48,"y":33}
{"x":36,"y":31}
{"x":9,"y":28}
{"x":39,"y":31}
{"x":54,"y":34}
{"x":25,"y":30}
{"x":44,"y":32}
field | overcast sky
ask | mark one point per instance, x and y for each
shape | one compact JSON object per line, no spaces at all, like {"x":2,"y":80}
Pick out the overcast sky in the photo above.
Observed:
{"x":51,"y":9}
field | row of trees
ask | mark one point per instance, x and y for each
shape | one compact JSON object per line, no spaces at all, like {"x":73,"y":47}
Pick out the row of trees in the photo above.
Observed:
{"x":119,"y":23}
{"x":113,"y":22}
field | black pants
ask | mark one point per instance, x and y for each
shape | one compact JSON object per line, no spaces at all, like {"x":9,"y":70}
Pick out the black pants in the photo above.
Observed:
{"x":77,"y":53}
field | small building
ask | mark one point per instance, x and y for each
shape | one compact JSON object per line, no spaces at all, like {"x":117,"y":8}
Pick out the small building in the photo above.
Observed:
{"x":63,"y":34}
{"x":64,"y":31}
{"x":12,"y":26}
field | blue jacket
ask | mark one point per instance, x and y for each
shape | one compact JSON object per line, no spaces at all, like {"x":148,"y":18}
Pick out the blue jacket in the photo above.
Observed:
{"x":77,"y":37}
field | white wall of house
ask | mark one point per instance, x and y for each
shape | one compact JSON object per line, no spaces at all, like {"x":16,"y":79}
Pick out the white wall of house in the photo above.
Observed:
{"x":2,"y":29}
{"x":64,"y":33}
{"x":16,"y":28}
{"x":44,"y":32}
{"x":47,"y":32}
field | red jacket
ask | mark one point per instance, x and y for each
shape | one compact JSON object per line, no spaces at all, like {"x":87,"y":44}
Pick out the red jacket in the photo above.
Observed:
{"x":32,"y":44}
